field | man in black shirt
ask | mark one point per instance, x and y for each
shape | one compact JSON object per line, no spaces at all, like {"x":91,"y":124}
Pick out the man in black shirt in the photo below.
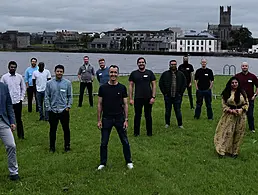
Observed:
{"x":172,"y":84}
{"x":188,"y":70}
{"x":144,"y":95}
{"x":204,"y":82}
{"x":112,"y":105}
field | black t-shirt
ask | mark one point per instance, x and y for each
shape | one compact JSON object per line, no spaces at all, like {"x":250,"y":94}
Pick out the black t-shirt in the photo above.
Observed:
{"x":112,"y":99}
{"x":142,"y":81}
{"x":187,"y":69}
{"x":204,"y":77}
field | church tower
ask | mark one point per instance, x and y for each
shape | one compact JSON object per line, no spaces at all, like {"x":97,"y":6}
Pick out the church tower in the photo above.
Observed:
{"x":225,"y":24}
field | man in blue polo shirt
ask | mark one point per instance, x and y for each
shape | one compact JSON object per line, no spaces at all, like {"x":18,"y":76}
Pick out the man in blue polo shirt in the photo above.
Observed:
{"x":29,"y":84}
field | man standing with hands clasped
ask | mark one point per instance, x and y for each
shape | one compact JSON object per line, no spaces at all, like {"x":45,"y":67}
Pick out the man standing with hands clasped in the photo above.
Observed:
{"x":144,"y":82}
{"x":248,"y":81}
{"x":113,"y":112}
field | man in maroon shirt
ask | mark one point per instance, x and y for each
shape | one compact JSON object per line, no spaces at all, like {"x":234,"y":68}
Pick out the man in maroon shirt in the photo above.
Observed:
{"x":248,"y":81}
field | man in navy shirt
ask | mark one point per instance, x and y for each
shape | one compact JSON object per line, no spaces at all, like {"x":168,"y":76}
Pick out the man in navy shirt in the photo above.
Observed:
{"x":113,"y":112}
{"x":203,"y":82}
{"x":102,"y":73}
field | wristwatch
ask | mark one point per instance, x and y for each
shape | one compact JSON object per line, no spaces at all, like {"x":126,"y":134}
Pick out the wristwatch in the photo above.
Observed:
{"x":153,"y":97}
{"x":126,"y":119}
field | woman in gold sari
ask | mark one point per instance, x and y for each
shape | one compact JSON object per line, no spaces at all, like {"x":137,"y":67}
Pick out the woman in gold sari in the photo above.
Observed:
{"x":231,"y":127}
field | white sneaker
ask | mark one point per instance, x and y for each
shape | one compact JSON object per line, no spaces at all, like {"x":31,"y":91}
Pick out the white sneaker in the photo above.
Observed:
{"x":253,"y":131}
{"x":101,"y":167}
{"x":130,"y":165}
{"x":181,"y":127}
{"x":166,"y":126}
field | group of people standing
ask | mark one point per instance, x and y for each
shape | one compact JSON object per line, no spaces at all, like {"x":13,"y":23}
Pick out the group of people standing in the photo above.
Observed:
{"x":54,"y":98}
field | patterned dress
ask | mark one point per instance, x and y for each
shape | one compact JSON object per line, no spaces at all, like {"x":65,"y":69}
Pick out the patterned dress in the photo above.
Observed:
{"x":231,"y":128}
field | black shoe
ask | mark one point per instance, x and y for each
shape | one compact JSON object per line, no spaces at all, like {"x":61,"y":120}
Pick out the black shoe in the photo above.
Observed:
{"x":67,"y":148}
{"x":79,"y":105}
{"x":52,"y":150}
{"x":192,"y":108}
{"x":234,"y":156}
{"x":195,"y":117}
{"x":221,"y":156}
{"x":14,"y":177}
{"x":136,"y":135}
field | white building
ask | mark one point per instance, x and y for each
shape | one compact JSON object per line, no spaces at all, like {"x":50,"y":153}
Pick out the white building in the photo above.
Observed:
{"x":254,"y":49}
{"x":198,"y":42}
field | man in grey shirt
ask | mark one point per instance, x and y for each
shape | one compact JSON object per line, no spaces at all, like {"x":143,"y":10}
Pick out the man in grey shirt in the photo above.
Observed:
{"x":58,"y":101}
{"x":86,"y":76}
{"x":7,"y":125}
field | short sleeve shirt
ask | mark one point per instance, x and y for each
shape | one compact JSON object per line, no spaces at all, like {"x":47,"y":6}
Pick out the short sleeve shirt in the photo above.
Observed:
{"x":142,"y":81}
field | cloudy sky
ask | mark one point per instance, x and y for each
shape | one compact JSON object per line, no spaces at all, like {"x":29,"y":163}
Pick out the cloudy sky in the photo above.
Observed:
{"x":103,"y":15}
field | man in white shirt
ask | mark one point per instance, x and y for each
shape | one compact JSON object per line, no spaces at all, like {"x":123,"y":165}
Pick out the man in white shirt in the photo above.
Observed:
{"x":17,"y":89}
{"x":40,"y":78}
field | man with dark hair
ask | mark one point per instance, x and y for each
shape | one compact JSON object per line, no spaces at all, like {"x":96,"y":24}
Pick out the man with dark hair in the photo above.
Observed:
{"x":7,"y":125}
{"x":204,"y":79}
{"x":102,"y":73}
{"x":86,"y":75}
{"x":144,"y":96}
{"x":188,"y":70}
{"x":40,"y":78}
{"x":172,"y":84}
{"x":248,"y":81}
{"x":58,"y":101}
{"x":113,"y":112}
{"x":17,"y":90}
{"x":29,"y":84}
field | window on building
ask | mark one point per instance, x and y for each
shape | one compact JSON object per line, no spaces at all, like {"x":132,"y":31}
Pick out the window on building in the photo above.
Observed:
{"x":181,"y":42}
{"x":192,"y":48}
{"x":118,"y":34}
{"x":209,"y":42}
{"x":201,"y":48}
{"x":192,"y":42}
{"x":197,"y":48}
{"x":98,"y":45}
{"x":209,"y":49}
{"x":104,"y":46}
{"x":197,"y":42}
{"x":112,"y":34}
{"x":93,"y":45}
{"x":201,"y":42}
{"x":188,"y":48}
{"x":181,"y":49}
{"x":142,"y":34}
{"x":188,"y":42}
{"x":124,"y":34}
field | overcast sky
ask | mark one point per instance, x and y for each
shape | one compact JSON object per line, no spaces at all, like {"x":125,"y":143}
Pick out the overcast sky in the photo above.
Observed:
{"x":104,"y":15}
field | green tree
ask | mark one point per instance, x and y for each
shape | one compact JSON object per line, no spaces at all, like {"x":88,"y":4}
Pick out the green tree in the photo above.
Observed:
{"x":85,"y":39}
{"x":241,"y":39}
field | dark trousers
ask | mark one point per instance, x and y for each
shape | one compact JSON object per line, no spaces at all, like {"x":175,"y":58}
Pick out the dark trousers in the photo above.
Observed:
{"x":30,"y":91}
{"x":82,"y":89}
{"x":207,"y":95}
{"x":138,"y":104}
{"x":41,"y":106}
{"x":189,"y":90}
{"x":18,"y":114}
{"x":54,"y":118}
{"x":107,"y":124}
{"x":250,"y":115}
{"x":176,"y":102}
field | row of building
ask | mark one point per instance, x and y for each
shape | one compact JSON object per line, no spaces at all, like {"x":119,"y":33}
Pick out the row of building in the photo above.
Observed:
{"x":172,"y":39}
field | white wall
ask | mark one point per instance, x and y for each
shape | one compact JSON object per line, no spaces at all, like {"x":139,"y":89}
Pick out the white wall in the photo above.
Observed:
{"x":196,"y":45}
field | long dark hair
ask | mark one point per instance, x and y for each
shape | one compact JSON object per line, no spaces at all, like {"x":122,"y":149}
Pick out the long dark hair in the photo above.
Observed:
{"x":227,"y":91}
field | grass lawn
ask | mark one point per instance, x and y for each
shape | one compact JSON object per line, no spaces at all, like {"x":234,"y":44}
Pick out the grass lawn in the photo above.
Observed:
{"x":172,"y":161}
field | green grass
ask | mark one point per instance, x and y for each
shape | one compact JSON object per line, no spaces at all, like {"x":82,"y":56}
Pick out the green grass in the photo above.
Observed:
{"x":173,"y":161}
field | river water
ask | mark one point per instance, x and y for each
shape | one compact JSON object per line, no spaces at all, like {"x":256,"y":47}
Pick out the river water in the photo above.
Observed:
{"x":127,"y":63}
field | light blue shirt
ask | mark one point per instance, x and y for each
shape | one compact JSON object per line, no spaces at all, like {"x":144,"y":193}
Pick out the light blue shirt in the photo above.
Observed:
{"x":28,"y":75}
{"x":103,"y":75}
{"x":58,"y":95}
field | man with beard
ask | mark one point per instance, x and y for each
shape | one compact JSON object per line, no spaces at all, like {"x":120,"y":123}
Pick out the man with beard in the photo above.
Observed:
{"x":113,"y":109}
{"x":17,"y":90}
{"x":29,"y":84}
{"x":58,"y":101}
{"x":144,"y":82}
{"x":40,"y":78}
{"x":172,"y":84}
{"x":248,"y":81}
{"x":102,"y":73}
{"x":203,"y":82}
{"x":188,"y":70}
{"x":86,"y":76}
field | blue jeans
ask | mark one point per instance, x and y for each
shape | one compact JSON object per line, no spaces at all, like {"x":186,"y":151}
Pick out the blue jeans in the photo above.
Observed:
{"x":107,"y":124}
{"x":41,"y":105}
{"x":176,"y":102}
{"x":207,"y":95}
{"x":250,"y":115}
